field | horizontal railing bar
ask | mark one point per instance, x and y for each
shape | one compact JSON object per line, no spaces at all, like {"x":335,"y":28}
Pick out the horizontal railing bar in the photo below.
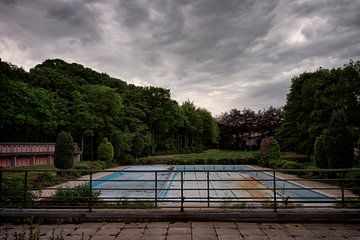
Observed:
{"x":170,"y":170}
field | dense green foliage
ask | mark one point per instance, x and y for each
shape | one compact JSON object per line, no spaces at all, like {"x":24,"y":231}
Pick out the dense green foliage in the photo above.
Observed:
{"x":12,"y":193}
{"x":75,"y":196}
{"x":105,"y":150}
{"x":245,"y":129}
{"x":56,"y":96}
{"x":206,"y":157}
{"x":64,"y":151}
{"x":320,"y":152}
{"x":138,"y":145}
{"x":338,"y":142}
{"x":312,"y":100}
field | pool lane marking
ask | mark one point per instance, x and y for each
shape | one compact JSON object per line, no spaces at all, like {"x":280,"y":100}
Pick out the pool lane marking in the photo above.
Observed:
{"x":97,"y":183}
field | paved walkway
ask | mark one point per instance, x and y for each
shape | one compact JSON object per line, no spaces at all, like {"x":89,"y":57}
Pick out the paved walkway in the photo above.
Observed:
{"x":187,"y":230}
{"x":328,"y":189}
{"x":48,"y":192}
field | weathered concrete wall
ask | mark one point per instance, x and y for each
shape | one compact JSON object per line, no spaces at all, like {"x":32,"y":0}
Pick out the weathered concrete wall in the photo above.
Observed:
{"x":27,"y":154}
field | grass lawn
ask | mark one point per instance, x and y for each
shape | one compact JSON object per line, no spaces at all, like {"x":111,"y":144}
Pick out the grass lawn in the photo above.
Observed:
{"x":212,"y":156}
{"x":31,"y":175}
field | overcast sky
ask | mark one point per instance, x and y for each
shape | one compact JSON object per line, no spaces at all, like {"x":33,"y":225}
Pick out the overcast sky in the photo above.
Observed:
{"x":221,"y":54}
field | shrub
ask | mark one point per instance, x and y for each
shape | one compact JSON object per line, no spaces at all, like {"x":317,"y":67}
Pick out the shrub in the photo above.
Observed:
{"x":105,"y":150}
{"x":12,"y":193}
{"x":76,"y":196}
{"x":138,"y":145}
{"x":64,"y":151}
{"x":269,"y":150}
{"x":110,"y":165}
{"x":291,"y":165}
{"x":83,"y":167}
{"x":116,"y":142}
{"x":338,"y":141}
{"x":45,"y":179}
{"x":320,"y":153}
{"x":97,"y":165}
{"x":92,"y":165}
{"x":355,"y":182}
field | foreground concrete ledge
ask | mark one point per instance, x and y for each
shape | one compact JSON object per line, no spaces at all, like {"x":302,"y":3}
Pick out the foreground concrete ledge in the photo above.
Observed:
{"x":155,"y":215}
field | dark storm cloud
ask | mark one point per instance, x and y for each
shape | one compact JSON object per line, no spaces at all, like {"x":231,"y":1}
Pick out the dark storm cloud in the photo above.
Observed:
{"x":221,"y":54}
{"x":135,"y":13}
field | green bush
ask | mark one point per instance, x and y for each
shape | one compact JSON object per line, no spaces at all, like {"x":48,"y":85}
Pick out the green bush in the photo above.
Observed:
{"x":76,"y":196}
{"x":12,"y":193}
{"x":138,"y":145}
{"x":82,"y":166}
{"x":269,"y":150}
{"x":97,"y":165}
{"x":105,"y":150}
{"x":338,"y":140}
{"x":291,"y":156}
{"x":64,"y":151}
{"x":45,"y":179}
{"x":355,"y":183}
{"x":110,"y":165}
{"x":128,"y":159}
{"x":320,"y":153}
{"x":291,"y":165}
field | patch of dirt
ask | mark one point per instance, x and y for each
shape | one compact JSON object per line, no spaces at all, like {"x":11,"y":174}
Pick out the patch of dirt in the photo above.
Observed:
{"x":253,"y":183}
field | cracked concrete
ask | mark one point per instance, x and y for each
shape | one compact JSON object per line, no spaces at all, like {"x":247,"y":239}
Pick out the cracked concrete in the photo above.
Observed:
{"x":186,"y":230}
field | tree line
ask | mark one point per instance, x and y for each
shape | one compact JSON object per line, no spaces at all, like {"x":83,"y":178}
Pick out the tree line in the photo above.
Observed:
{"x":322,"y":116}
{"x":57,"y":96}
{"x":244,"y":129}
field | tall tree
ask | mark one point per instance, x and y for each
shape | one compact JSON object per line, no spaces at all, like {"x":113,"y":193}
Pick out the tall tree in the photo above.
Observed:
{"x":338,"y":141}
{"x":313,"y":98}
{"x":64,"y":151}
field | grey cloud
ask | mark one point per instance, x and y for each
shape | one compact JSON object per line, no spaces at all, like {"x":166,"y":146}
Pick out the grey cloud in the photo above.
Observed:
{"x":8,"y":2}
{"x":134,"y":14}
{"x":221,"y":54}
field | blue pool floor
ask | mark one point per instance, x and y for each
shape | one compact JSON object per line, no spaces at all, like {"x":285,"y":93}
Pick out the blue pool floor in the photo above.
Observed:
{"x":169,"y":185}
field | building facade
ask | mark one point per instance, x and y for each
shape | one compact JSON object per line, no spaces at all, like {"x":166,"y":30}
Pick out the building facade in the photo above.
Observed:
{"x":27,"y":154}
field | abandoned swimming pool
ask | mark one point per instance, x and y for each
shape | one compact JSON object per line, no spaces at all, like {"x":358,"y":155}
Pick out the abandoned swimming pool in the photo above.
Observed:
{"x":205,"y":185}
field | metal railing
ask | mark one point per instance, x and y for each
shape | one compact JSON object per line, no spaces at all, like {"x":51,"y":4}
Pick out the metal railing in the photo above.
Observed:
{"x":265,"y":188}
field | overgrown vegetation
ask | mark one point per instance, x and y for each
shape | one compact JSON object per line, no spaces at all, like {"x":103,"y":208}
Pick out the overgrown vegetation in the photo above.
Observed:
{"x":244,"y":129}
{"x":64,"y":151}
{"x":314,"y":100}
{"x":207,"y":157}
{"x":92,"y":106}
{"x":105,"y":150}
{"x":269,"y":151}
{"x":13,"y":194}
{"x":74,"y":196}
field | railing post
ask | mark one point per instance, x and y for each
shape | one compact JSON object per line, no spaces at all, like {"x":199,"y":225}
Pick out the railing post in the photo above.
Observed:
{"x":274,"y":189}
{"x":342,"y":190}
{"x":156,"y":190}
{"x":182,"y":192}
{"x":1,"y":174}
{"x":90,"y":191}
{"x":25,"y":188}
{"x":208,"y":188}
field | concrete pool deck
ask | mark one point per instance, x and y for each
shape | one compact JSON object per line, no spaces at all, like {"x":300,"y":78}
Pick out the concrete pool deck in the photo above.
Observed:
{"x":191,"y":231}
{"x":336,"y":192}
{"x":296,"y":215}
{"x":48,"y":192}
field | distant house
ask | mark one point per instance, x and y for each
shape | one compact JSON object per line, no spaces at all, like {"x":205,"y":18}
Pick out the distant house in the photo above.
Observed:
{"x":253,"y":140}
{"x":27,"y":154}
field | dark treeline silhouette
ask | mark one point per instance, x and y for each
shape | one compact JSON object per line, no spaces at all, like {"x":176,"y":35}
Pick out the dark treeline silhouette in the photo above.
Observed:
{"x":57,"y":96}
{"x":244,"y":129}
{"x":323,"y":107}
